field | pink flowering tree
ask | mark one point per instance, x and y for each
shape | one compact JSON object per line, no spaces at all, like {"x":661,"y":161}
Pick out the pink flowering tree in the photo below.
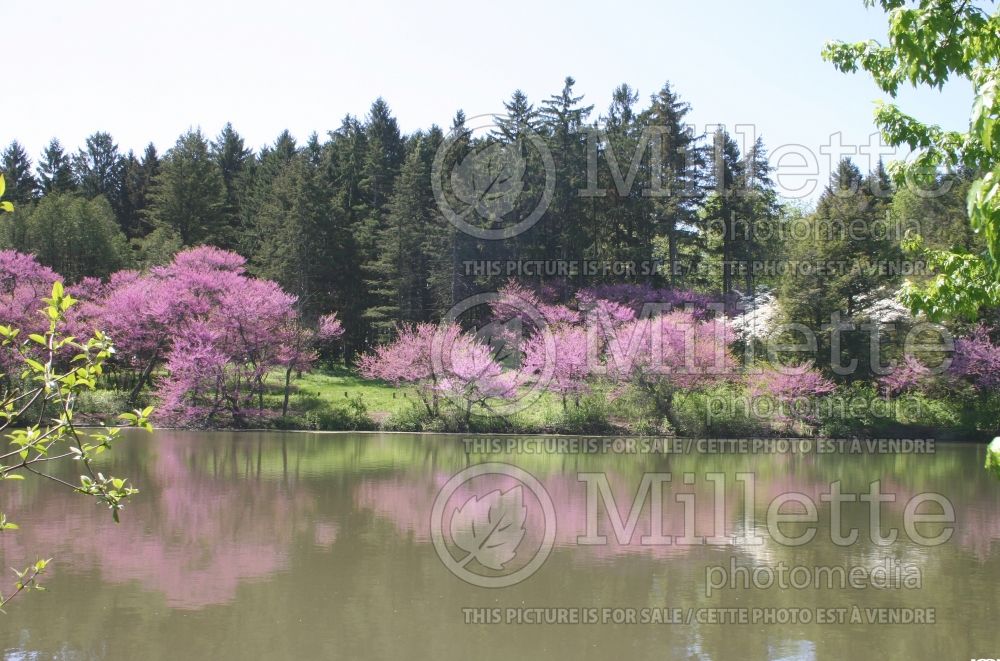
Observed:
{"x":469,"y":374}
{"x":566,"y":370}
{"x":407,"y":359}
{"x":792,"y":389}
{"x":665,"y":354}
{"x":442,"y":363}
{"x":977,"y":361}
{"x":216,"y":332}
{"x":644,"y":296}
{"x":299,"y":344}
{"x":517,"y":302}
{"x":910,"y":374}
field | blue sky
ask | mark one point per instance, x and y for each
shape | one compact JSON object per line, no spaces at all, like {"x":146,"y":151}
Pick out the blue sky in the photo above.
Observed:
{"x":145,"y":72}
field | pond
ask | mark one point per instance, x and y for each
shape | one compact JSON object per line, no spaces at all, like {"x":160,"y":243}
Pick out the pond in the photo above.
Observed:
{"x":321,"y":546}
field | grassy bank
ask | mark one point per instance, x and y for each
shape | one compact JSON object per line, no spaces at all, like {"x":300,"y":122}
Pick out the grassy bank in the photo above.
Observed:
{"x":339,"y":399}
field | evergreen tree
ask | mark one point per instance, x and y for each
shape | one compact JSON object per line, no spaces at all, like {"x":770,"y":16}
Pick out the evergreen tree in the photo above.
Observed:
{"x":233,"y":159}
{"x":618,"y":212}
{"x":55,"y":170}
{"x":563,"y":119}
{"x":383,"y":157}
{"x":514,"y":139}
{"x":189,"y":195}
{"x":259,"y":177}
{"x":137,"y":182}
{"x":98,"y":167}
{"x":739,"y":212}
{"x":723,"y":207}
{"x":346,"y":154}
{"x":758,"y":236}
{"x":520,"y":119}
{"x":675,"y":187}
{"x":835,"y":268}
{"x":449,"y":246}
{"x":384,"y":154}
{"x":16,"y":167}
{"x":400,"y":287}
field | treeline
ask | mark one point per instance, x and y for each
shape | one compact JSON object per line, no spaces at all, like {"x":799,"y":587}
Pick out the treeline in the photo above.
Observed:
{"x":351,"y":221}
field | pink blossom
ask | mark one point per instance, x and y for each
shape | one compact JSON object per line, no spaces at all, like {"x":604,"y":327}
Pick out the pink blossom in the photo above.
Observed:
{"x":565,"y":368}
{"x":910,"y":375}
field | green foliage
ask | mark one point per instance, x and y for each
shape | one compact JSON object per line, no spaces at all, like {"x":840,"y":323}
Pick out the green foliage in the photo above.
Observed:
{"x":55,"y":170}
{"x":135,"y":196}
{"x":74,"y":236}
{"x":54,"y":371}
{"x":5,"y":205}
{"x":189,"y":194}
{"x":398,"y":277}
{"x":102,"y":405}
{"x":834,"y":263}
{"x":316,"y":413}
{"x":993,"y":457}
{"x":930,"y":43}
{"x":413,"y":417}
{"x":962,"y":284}
{"x":159,"y":246}
{"x":22,"y":187}
{"x":589,"y":414}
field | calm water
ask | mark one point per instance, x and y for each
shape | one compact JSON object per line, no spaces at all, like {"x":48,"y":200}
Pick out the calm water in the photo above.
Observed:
{"x":299,"y":546}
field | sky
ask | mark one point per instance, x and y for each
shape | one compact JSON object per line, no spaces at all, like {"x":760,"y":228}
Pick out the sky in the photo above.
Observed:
{"x":148,"y":72}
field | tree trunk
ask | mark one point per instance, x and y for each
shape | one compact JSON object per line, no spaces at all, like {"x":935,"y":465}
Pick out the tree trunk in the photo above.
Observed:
{"x":143,"y":377}
{"x":288,"y":386}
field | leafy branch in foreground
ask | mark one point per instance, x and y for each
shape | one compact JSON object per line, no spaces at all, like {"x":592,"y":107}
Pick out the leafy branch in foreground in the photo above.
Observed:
{"x":36,"y":412}
{"x":930,"y":42}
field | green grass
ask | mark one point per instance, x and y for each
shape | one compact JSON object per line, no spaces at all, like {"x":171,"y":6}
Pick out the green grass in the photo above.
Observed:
{"x":339,"y":385}
{"x":337,"y":398}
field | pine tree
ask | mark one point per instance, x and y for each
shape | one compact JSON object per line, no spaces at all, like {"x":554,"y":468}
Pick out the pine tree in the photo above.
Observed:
{"x":98,"y":168}
{"x":834,"y":266}
{"x":400,"y":287}
{"x":618,"y":211}
{"x":449,"y":247}
{"x":675,"y":186}
{"x":258,"y":179}
{"x":233,"y":159}
{"x":724,"y":206}
{"x":137,"y":182}
{"x":515,"y":137}
{"x":343,"y":156}
{"x":521,"y":118}
{"x":383,"y":156}
{"x":22,"y":187}
{"x":563,"y":119}
{"x":346,"y":154}
{"x":55,"y":170}
{"x":189,"y":194}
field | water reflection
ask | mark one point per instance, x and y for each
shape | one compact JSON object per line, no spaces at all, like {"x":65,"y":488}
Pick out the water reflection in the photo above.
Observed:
{"x":318,"y":546}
